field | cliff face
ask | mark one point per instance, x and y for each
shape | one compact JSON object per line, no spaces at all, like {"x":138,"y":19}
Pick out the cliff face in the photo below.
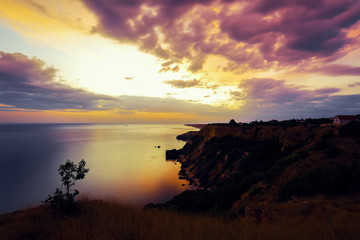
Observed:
{"x":252,"y":169}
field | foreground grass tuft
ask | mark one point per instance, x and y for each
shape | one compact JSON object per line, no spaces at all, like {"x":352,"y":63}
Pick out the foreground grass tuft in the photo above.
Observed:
{"x":110,"y":220}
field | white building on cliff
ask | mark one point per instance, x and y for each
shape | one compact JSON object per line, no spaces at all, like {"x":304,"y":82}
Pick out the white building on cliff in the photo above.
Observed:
{"x":344,"y":119}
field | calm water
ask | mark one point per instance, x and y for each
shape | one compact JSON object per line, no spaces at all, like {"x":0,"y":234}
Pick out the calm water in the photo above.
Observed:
{"x":123,"y":160}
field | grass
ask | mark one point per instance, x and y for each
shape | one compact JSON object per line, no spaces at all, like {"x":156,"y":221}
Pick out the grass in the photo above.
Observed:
{"x":110,"y":220}
{"x":331,"y":180}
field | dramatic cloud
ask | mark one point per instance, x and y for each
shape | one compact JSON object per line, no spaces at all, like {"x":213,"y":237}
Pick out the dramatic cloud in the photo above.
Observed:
{"x":258,"y":34}
{"x":30,"y":84}
{"x":202,"y":49}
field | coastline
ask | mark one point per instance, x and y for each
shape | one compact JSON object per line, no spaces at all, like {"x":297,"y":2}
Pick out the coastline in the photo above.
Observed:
{"x":257,"y":170}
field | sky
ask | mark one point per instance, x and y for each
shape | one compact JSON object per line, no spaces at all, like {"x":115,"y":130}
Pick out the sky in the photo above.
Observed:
{"x":178,"y":61}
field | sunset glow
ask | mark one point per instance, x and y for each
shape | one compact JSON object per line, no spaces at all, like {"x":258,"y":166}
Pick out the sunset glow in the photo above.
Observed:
{"x":178,"y":61}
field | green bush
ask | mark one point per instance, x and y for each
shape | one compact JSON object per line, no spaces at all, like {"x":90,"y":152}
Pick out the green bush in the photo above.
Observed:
{"x":65,"y":202}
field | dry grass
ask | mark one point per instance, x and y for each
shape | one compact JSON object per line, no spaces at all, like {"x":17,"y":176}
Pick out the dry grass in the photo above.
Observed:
{"x":109,"y":220}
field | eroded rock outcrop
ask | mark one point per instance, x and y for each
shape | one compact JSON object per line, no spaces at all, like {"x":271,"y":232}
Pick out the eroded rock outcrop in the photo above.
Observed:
{"x":246,"y":169}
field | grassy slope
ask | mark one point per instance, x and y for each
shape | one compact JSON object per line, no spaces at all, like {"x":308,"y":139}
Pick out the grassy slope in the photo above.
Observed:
{"x":106,"y":220}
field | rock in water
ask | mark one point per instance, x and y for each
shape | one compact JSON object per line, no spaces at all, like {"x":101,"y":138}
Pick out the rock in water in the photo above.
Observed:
{"x":172,"y":154}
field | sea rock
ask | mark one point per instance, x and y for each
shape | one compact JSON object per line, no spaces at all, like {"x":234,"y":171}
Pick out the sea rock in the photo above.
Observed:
{"x":172,"y":154}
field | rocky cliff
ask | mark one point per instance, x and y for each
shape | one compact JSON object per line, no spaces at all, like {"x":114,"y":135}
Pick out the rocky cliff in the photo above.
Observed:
{"x":258,"y":170}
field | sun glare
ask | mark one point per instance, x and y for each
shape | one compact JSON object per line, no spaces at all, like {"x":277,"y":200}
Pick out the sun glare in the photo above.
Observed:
{"x":105,"y":67}
{"x":116,"y":70}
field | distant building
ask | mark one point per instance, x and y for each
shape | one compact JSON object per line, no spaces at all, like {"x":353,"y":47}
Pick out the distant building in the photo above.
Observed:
{"x":344,"y":119}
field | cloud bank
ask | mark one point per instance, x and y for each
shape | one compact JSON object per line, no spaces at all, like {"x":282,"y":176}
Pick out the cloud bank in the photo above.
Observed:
{"x":28,"y":84}
{"x":274,"y":99}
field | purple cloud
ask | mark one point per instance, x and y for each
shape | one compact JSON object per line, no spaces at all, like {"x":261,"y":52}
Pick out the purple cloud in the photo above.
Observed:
{"x":294,"y":30}
{"x":274,"y":99}
{"x":337,"y":70}
{"x":28,"y":83}
{"x":260,"y":34}
{"x":354,"y":84}
{"x":277,"y":92}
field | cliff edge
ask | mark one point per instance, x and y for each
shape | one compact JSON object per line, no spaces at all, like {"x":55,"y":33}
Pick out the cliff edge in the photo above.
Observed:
{"x":264,"y":170}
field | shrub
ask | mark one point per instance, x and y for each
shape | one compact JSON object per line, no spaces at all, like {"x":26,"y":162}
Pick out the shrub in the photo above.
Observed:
{"x":332,"y":180}
{"x":65,"y":202}
{"x":282,"y":163}
{"x":352,"y":129}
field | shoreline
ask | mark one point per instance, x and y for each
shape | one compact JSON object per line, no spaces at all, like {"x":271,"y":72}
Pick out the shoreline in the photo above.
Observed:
{"x":184,"y":173}
{"x":256,"y":171}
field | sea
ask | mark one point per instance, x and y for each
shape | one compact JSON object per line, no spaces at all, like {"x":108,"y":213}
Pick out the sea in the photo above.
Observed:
{"x":126,"y":161}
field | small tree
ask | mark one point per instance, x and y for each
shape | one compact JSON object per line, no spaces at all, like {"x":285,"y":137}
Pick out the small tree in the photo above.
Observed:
{"x":65,"y":201}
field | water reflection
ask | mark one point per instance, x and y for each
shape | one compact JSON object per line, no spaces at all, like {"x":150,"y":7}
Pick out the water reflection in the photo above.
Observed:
{"x":123,"y":160}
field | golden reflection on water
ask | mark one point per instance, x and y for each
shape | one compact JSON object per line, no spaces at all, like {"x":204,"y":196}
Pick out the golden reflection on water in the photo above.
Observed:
{"x":124,"y":160}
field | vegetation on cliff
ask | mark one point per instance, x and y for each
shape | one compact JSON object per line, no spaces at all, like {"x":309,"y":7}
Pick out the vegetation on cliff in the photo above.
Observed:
{"x":256,"y":169}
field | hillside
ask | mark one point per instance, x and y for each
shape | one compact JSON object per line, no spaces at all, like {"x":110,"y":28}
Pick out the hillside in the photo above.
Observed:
{"x":271,"y":169}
